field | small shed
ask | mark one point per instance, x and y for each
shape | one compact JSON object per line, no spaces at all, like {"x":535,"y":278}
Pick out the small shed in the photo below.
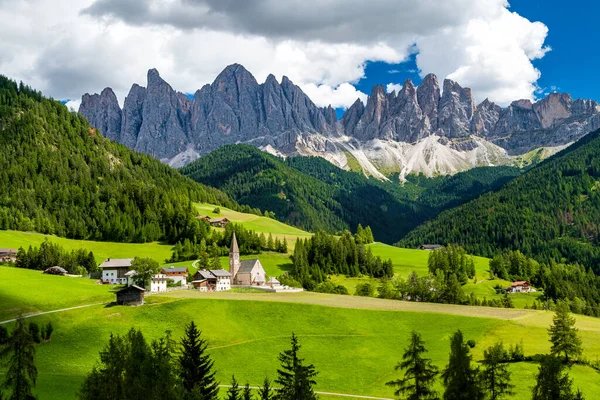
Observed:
{"x":273,"y":282}
{"x":131,"y":296}
{"x":56,"y":270}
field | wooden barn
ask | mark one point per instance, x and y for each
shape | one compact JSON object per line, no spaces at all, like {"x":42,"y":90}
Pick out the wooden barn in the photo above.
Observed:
{"x":219,"y":222}
{"x":131,"y":296}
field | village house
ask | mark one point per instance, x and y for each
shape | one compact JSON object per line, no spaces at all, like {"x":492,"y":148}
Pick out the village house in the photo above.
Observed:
{"x":215,"y":280}
{"x":177,"y":274}
{"x":520,"y":287}
{"x":131,"y":296}
{"x":431,"y":247}
{"x":245,"y":272}
{"x":114,"y":270}
{"x":158,"y":283}
{"x":219,"y":222}
{"x":8,"y":255}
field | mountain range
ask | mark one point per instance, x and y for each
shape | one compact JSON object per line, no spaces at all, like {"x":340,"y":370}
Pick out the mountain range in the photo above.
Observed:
{"x":426,"y":129}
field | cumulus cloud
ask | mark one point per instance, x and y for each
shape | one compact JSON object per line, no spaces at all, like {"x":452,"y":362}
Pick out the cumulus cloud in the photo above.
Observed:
{"x":393,"y":86}
{"x":339,"y":97}
{"x":71,"y":47}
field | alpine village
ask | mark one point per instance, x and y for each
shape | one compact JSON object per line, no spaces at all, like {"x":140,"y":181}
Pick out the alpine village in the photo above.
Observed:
{"x":394,"y":200}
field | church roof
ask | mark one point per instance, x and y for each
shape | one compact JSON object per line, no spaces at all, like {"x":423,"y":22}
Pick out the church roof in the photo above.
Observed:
{"x":247,"y":265}
{"x":234,"y":244}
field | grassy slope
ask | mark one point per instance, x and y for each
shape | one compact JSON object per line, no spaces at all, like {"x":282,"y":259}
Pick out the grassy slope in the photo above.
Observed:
{"x":102,"y":250}
{"x":343,"y":336}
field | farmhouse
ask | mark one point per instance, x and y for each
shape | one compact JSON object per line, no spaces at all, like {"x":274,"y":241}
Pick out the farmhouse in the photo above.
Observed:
{"x":520,"y":287}
{"x":131,"y":296}
{"x":8,"y":255}
{"x":177,"y":274}
{"x":245,"y":272}
{"x":431,"y":247}
{"x":219,"y":222}
{"x":215,"y":280}
{"x":158,"y":283}
{"x":114,"y":270}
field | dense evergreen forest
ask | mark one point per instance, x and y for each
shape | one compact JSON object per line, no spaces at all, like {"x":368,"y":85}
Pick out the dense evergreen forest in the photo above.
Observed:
{"x":313,"y":194}
{"x":60,"y":176}
{"x":549,"y":213}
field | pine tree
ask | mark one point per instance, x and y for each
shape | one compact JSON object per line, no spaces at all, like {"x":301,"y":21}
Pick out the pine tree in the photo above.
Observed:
{"x":284,"y":246}
{"x":495,"y":376}
{"x":233,"y":393}
{"x":460,"y":378}
{"x":21,"y":373}
{"x":553,"y":381}
{"x":270,"y":242}
{"x":296,"y":379}
{"x":266,"y":392}
{"x":196,"y":366}
{"x":419,"y":375}
{"x":369,"y":235}
{"x":563,"y":334}
{"x":247,"y":392}
{"x":34,"y":331}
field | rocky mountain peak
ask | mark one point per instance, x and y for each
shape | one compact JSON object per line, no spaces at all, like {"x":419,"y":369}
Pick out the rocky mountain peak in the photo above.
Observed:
{"x":456,"y":108}
{"x":428,"y":96}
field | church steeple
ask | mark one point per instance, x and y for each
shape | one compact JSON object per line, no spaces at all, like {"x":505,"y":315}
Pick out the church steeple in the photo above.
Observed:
{"x":234,"y":258}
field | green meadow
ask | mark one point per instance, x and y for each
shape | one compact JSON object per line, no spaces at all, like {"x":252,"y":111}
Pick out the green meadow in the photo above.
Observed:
{"x":354,"y":342}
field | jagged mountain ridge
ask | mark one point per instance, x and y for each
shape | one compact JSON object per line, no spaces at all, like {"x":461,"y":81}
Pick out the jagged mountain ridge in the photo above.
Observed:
{"x":419,"y":129}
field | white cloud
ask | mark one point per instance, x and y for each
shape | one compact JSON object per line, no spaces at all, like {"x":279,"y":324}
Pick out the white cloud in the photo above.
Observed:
{"x":393,"y":86}
{"x":73,"y":105}
{"x":340,"y":97}
{"x":70,"y":47}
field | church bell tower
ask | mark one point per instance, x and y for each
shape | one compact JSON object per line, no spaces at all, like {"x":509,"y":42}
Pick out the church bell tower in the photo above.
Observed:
{"x":234,"y":258}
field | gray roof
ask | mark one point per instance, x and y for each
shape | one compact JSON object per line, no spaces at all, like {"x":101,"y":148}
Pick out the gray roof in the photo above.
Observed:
{"x":116,"y":263}
{"x":220,"y":273}
{"x":432,"y":246}
{"x":247,"y":265}
{"x":175,"y":269}
{"x":206,"y":274}
{"x":134,"y":287}
{"x":133,"y":272}
{"x":272,"y":280}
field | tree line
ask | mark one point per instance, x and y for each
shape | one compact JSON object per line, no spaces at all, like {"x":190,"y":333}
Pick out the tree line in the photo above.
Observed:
{"x":577,"y":285}
{"x":323,"y":254}
{"x":51,"y":254}
{"x":209,"y":243}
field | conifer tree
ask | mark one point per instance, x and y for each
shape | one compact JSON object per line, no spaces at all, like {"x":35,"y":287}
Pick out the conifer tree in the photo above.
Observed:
{"x":419,"y":375}
{"x":553,"y":381}
{"x":495,"y":376}
{"x":295,"y":378}
{"x":266,"y":392}
{"x":196,"y":366}
{"x":369,"y":235}
{"x":21,"y":373}
{"x":460,"y":378}
{"x":247,"y":392}
{"x":563,"y":334}
{"x":233,"y":393}
{"x":284,"y":246}
{"x":270,"y":242}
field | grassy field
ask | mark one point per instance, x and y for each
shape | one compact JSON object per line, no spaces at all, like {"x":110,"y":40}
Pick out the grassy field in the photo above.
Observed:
{"x":257,"y":223}
{"x":354,"y":342}
{"x":102,"y":250}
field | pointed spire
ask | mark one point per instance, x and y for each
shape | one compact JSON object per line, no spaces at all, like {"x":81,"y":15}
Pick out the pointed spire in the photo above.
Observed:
{"x":234,"y":245}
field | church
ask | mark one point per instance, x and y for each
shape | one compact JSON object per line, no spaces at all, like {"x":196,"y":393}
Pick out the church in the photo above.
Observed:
{"x":245,"y":272}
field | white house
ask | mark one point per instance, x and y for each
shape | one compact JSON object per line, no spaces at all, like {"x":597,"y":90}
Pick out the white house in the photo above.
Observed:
{"x":177,"y":274}
{"x":158,"y":283}
{"x":215,"y":280}
{"x":114,"y":270}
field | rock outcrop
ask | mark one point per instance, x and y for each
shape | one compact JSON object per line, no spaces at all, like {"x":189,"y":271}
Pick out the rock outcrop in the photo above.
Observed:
{"x":388,"y":132}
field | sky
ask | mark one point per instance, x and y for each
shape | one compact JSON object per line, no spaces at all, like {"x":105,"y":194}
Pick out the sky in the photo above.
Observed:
{"x":335,"y":50}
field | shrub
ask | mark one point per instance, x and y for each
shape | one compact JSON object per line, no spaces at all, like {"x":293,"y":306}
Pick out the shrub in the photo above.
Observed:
{"x":217,"y":210}
{"x":330,"y":287}
{"x":365,"y":289}
{"x":34,"y":331}
{"x":3,"y":335}
{"x":471,"y":343}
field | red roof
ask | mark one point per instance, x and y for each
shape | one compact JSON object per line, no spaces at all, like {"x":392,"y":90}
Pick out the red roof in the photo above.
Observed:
{"x":520,"y":283}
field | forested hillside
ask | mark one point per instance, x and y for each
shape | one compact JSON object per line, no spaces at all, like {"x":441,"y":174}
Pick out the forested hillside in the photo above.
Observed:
{"x":60,"y":176}
{"x":311,"y":193}
{"x":550,"y":213}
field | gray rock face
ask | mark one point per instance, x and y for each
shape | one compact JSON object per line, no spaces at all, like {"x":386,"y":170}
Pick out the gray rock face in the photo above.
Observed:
{"x":103,"y":112}
{"x":235,"y":108}
{"x":161,"y":122}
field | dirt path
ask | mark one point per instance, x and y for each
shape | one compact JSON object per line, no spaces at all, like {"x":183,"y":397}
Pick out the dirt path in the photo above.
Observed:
{"x":8,"y":321}
{"x":352,"y":396}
